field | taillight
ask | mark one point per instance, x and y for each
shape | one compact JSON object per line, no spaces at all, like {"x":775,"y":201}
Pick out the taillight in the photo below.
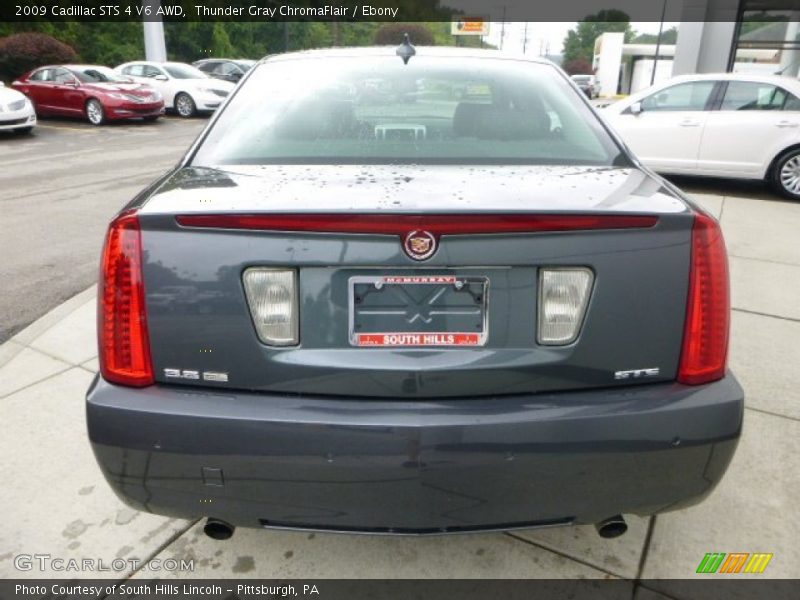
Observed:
{"x":121,"y":316}
{"x":705,"y":337}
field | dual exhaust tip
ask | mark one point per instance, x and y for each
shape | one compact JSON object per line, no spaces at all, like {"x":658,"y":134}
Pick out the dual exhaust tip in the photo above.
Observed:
{"x":610,"y":528}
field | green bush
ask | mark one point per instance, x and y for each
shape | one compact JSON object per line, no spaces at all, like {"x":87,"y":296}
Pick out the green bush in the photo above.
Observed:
{"x":21,"y":52}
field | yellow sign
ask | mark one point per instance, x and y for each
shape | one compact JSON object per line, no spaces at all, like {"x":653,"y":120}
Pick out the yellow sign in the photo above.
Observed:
{"x":470,"y":26}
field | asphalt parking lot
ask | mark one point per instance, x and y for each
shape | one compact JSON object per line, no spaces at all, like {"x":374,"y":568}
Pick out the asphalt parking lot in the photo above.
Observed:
{"x":60,"y":188}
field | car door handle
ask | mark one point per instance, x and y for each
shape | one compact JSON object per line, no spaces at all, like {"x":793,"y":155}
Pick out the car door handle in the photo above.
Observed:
{"x":689,"y":123}
{"x":786,"y":124}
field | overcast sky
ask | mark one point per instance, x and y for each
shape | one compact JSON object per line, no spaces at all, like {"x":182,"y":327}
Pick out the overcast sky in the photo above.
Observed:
{"x":544,"y":35}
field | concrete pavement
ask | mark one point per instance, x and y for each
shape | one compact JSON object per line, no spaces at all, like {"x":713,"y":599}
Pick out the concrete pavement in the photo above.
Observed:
{"x":56,"y":500}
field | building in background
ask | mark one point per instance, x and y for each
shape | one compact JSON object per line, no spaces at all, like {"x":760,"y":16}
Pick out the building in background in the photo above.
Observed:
{"x":626,"y":68}
{"x":739,"y":35}
{"x":760,"y":36}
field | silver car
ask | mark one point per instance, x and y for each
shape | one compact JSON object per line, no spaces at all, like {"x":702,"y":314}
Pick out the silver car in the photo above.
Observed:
{"x":412,"y":294}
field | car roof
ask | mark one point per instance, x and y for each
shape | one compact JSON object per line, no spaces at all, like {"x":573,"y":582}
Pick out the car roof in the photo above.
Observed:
{"x":155,"y":63}
{"x":85,"y":66}
{"x":434,"y":51}
{"x":757,"y":77}
{"x":139,"y":62}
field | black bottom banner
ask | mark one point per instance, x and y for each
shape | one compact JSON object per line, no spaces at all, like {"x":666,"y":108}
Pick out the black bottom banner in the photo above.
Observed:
{"x":407,"y":589}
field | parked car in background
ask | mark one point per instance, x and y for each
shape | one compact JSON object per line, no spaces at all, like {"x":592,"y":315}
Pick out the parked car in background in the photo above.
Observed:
{"x":587,"y":84}
{"x":412,"y":312}
{"x":89,"y":91}
{"x":16,"y":111}
{"x":185,"y":88}
{"x":225,"y":68}
{"x":738,"y":126}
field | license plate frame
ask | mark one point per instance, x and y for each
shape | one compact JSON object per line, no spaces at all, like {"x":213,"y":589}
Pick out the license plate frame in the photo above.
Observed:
{"x":476,"y":287}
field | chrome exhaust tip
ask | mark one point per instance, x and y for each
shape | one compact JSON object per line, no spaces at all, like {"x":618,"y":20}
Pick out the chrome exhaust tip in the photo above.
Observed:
{"x":612,"y":527}
{"x":217,"y":529}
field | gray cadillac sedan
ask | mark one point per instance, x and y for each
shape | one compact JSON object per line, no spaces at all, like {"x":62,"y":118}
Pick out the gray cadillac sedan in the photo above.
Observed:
{"x":412,"y":294}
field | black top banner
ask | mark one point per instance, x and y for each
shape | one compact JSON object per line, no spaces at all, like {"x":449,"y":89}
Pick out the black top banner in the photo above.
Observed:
{"x":383,"y":10}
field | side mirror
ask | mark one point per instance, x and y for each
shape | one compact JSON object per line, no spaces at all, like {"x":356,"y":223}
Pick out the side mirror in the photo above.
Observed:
{"x":636,"y":108}
{"x":161,"y":78}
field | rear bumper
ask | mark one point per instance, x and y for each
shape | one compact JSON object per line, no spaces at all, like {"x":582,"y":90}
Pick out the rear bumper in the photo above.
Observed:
{"x":414,"y":467}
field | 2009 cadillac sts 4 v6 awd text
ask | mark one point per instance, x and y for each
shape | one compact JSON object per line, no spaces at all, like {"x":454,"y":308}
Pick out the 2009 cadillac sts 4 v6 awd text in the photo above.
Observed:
{"x":422,"y":297}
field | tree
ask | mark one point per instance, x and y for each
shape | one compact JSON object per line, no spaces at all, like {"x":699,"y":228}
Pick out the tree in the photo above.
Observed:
{"x":106,"y":43}
{"x":392,"y":34}
{"x":220,"y":41}
{"x":579,"y":42}
{"x":668,"y":36}
{"x":577,"y":66}
{"x":22,"y":52}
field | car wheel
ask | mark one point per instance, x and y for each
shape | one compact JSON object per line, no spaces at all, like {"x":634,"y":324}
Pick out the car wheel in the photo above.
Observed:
{"x":785,"y":174}
{"x":184,"y":105}
{"x":95,"y":112}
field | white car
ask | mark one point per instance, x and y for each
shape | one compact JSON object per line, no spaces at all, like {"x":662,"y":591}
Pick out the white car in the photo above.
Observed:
{"x":185,"y":88}
{"x":16,"y":111}
{"x":720,"y":125}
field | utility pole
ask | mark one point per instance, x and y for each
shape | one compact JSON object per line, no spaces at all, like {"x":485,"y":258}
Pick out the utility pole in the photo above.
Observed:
{"x":503,"y":28}
{"x":658,"y":42}
{"x":155,"y":48}
{"x":525,"y":38}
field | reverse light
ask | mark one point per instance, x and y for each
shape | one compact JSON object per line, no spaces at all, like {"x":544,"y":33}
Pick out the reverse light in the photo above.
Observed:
{"x":563,"y":296}
{"x":272,"y":298}
{"x":705,"y":337}
{"x":123,"y":339}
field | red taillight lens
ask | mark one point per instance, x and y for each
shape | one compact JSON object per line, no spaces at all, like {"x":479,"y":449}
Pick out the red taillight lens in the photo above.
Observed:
{"x":121,"y":317}
{"x":705,"y":337}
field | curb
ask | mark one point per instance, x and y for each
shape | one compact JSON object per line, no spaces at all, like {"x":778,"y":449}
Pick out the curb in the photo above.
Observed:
{"x":10,"y":348}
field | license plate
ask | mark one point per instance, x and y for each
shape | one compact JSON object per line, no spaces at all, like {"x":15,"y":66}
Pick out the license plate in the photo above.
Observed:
{"x":418,"y":311}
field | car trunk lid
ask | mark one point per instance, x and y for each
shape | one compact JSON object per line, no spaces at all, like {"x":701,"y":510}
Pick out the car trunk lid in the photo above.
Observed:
{"x":355,"y":288}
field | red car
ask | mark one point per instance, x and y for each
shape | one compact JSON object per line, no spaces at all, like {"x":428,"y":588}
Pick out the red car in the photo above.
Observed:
{"x":96,"y":93}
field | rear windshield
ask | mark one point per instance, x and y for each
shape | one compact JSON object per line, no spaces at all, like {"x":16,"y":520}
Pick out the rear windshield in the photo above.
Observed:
{"x":343,"y":110}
